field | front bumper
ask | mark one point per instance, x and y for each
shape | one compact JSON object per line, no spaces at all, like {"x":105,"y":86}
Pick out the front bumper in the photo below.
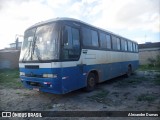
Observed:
{"x":50,"y":85}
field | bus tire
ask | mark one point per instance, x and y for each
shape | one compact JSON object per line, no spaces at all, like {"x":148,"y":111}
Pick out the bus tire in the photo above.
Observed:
{"x":129,"y":71}
{"x":91,"y":82}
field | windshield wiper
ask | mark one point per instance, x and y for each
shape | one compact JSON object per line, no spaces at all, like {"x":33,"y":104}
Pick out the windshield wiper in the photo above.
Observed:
{"x":37,"y":52}
{"x":35,"y":49}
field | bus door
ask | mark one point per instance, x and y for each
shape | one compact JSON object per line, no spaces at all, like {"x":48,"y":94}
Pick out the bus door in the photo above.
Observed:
{"x":70,"y":56}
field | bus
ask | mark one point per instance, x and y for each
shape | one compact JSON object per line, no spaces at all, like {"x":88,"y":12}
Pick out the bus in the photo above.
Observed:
{"x":65,"y":54}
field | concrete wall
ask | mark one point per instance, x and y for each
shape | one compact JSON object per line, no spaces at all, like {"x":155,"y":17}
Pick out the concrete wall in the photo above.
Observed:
{"x":9,"y":59}
{"x":145,"y":54}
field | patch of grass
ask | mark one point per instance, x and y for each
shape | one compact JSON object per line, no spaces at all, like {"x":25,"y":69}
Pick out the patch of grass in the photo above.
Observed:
{"x":148,"y":67}
{"x":17,"y":92}
{"x":146,"y":97}
{"x":134,"y":81}
{"x":157,"y":80}
{"x":139,"y":78}
{"x":126,"y":94}
{"x":49,"y":106}
{"x":100,"y":96}
{"x":115,"y":94}
{"x":26,"y":94}
{"x":130,"y":81}
{"x":10,"y":78}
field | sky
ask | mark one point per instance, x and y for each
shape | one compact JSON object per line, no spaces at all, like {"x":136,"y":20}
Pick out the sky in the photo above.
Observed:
{"x":138,"y":20}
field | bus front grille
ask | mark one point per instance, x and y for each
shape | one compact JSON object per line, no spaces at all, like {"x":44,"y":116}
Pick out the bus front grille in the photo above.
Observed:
{"x":32,"y":66}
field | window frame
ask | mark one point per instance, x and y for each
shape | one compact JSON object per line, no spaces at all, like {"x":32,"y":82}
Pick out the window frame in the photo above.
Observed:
{"x":115,"y":43}
{"x":134,"y":47}
{"x":122,"y":44}
{"x":90,"y":37}
{"x":103,"y":41}
{"x":110,"y":41}
{"x":118,"y":44}
{"x":130,"y":46}
{"x":91,"y":45}
{"x":94,"y":37}
{"x":62,"y":41}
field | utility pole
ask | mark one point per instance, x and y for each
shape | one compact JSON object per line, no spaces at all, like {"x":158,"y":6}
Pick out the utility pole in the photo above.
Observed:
{"x":145,"y":38}
{"x":17,"y":41}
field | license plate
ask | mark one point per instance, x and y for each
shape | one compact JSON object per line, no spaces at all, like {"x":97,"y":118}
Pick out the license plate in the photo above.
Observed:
{"x":36,"y":89}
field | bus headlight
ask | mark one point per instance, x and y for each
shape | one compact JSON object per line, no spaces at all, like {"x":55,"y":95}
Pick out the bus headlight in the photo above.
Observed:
{"x":50,"y":75}
{"x":22,"y":74}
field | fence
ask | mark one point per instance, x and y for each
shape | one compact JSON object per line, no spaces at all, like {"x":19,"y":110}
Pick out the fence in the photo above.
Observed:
{"x":9,"y":59}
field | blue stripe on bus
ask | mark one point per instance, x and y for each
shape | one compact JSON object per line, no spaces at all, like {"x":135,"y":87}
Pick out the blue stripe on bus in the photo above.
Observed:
{"x":73,"y":76}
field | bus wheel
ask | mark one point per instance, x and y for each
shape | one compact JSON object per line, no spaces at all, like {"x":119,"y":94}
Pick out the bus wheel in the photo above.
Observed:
{"x":129,"y":72}
{"x":91,"y":82}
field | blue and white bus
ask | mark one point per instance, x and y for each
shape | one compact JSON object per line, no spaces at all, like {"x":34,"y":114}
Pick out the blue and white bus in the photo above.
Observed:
{"x":65,"y":54}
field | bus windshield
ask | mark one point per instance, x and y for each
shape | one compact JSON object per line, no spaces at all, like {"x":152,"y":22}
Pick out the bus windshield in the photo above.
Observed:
{"x":41,"y":43}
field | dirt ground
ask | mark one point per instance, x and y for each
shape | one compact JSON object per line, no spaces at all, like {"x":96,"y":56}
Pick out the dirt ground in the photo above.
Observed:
{"x":139,"y":92}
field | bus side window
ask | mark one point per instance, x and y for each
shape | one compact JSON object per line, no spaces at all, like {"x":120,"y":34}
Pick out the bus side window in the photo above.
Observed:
{"x":108,"y":38}
{"x":134,"y":47}
{"x":118,"y":44}
{"x":115,"y":43}
{"x":87,"y":38}
{"x":94,"y":38}
{"x":76,"y":41}
{"x":90,"y":37}
{"x":126,"y":46}
{"x":71,"y":43}
{"x":130,"y":47}
{"x":122,"y":44}
{"x":67,"y":41}
{"x":103,"y":42}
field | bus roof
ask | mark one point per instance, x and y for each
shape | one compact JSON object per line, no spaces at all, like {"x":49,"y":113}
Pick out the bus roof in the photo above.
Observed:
{"x":75,"y":20}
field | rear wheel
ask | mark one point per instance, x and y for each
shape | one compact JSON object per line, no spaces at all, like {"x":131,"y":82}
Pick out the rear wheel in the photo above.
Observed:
{"x":91,"y":82}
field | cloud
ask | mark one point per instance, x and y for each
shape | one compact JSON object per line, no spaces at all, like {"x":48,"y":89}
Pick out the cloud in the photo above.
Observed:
{"x":144,"y":39}
{"x":56,"y":3}
{"x":130,"y":14}
{"x":85,"y":10}
{"x":113,"y":15}
{"x":140,"y":15}
{"x":16,"y":17}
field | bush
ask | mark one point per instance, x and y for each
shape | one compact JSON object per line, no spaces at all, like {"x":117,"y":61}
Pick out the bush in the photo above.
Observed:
{"x":158,"y":61}
{"x":152,"y":62}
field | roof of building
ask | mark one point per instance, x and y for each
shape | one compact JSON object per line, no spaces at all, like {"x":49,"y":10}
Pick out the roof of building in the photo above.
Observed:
{"x":15,"y":43}
{"x":9,"y":50}
{"x":149,"y":45}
